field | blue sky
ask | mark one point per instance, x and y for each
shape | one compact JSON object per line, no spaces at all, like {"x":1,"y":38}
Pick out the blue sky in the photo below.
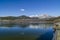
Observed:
{"x":29,"y":7}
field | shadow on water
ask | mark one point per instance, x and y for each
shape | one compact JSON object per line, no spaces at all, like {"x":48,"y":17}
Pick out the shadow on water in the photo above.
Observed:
{"x":13,"y":25}
{"x":7,"y":25}
{"x":35,"y":24}
{"x":23,"y":25}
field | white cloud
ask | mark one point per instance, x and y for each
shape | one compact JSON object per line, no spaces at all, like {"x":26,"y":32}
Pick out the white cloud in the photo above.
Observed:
{"x":22,"y":9}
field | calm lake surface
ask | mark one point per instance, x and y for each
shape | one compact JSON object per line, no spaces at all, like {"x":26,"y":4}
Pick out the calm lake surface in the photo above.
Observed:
{"x":26,"y":31}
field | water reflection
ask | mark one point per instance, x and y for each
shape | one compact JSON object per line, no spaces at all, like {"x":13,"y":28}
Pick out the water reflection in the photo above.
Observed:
{"x":7,"y":25}
{"x":13,"y":25}
{"x":49,"y":36}
{"x":26,"y":32}
{"x":24,"y":25}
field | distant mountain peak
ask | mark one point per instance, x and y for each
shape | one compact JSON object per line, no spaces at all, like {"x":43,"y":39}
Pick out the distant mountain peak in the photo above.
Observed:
{"x":42,"y":16}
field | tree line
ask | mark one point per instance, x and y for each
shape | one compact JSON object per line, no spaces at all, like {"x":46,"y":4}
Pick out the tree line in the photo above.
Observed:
{"x":23,"y":17}
{"x":13,"y":18}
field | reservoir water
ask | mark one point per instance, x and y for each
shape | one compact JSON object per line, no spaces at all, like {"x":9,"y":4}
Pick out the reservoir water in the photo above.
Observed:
{"x":26,"y":31}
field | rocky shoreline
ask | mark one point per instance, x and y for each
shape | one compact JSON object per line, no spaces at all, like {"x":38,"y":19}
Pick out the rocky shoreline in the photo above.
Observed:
{"x":25,"y":21}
